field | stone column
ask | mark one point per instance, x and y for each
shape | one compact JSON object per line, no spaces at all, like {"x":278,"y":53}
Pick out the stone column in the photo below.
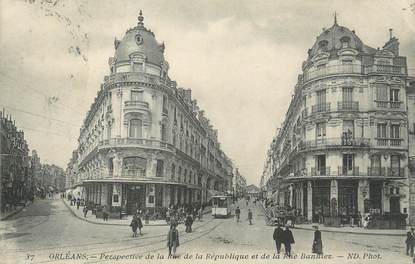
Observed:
{"x":104,"y":194}
{"x":309,"y":201}
{"x":291,"y":190}
{"x":362,"y":194}
{"x":166,"y":196}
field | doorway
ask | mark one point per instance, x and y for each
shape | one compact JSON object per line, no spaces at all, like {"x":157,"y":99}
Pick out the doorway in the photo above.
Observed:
{"x":135,"y":198}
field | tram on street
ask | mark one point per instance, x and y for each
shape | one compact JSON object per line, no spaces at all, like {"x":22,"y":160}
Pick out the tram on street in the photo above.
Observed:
{"x":221,"y":206}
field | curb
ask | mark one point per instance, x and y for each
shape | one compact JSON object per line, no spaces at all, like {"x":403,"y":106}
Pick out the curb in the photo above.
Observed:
{"x":98,"y":223}
{"x":14,"y":213}
{"x":352,"y":233}
{"x":346,"y":232}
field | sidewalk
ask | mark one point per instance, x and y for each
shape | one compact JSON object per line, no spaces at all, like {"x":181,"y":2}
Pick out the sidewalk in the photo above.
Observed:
{"x":119,"y":222}
{"x":125,"y":221}
{"x":352,"y":230}
{"x":6,"y":215}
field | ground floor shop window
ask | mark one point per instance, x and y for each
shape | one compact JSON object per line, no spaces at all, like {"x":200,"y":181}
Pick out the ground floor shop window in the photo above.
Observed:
{"x":375,"y":196}
{"x":347,"y":201}
{"x":321,"y":199}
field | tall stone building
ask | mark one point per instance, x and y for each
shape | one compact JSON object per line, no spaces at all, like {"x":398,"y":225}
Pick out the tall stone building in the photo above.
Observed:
{"x":145,"y":143}
{"x":343,"y":146}
{"x":16,"y":179}
{"x":411,"y":150}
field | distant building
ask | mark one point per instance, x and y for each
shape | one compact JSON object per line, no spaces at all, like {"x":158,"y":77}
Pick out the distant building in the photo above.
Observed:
{"x":53,"y":178}
{"x":343,"y":146}
{"x":145,"y":143}
{"x":16,"y":181}
{"x":253,"y":192}
{"x":410,"y":92}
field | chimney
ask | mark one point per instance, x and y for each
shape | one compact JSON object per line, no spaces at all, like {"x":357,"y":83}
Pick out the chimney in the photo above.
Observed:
{"x":390,"y":33}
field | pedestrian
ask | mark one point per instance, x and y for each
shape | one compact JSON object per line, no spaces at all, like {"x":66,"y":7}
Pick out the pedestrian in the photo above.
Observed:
{"x":140,"y":224}
{"x":278,"y":236}
{"x":317,"y":242}
{"x":85,"y":211}
{"x":410,"y":242}
{"x":168,"y":216}
{"x":250,"y":216}
{"x":237,"y":213}
{"x":134,"y":225}
{"x":188,"y":223}
{"x":200,"y":214}
{"x":288,"y":239}
{"x":173,"y":239}
{"x":105,"y":214}
{"x":78,"y":203}
{"x":359,"y":219}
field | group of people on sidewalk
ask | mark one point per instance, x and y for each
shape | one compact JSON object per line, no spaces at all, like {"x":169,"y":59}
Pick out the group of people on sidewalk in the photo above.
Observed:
{"x":286,"y":238}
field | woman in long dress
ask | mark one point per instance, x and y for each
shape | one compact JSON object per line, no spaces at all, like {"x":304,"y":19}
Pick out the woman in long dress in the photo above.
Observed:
{"x":317,"y":242}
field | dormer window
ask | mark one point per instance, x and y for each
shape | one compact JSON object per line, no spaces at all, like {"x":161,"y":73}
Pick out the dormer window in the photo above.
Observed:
{"x":323,"y":45}
{"x":345,"y":41}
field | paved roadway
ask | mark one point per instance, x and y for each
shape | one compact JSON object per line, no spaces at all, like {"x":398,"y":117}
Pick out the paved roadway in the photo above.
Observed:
{"x":46,"y":232}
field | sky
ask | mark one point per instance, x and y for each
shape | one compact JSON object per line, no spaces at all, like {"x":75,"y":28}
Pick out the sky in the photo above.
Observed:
{"x":240,"y":58}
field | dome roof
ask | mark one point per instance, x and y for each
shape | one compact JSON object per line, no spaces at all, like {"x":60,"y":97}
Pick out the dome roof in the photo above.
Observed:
{"x":332,"y":38}
{"x":139,"y":40}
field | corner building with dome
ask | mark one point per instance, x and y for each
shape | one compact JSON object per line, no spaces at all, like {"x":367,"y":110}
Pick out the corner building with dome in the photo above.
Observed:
{"x":145,"y":144}
{"x":343,"y":146}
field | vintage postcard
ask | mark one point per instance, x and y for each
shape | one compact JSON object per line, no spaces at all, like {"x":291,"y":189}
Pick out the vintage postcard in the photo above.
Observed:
{"x":184,"y":131}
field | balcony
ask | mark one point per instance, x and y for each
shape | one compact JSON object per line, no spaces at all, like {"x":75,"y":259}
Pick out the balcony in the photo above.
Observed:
{"x":334,"y":143}
{"x":333,"y":70}
{"x":137,"y":173}
{"x":389,"y":142}
{"x":348,"y":106}
{"x":135,"y":142}
{"x":130,"y":106}
{"x":386,"y":172}
{"x":320,"y":108}
{"x":324,"y":171}
{"x":137,"y":77}
{"x":380,"y":172}
{"x":344,"y":171}
{"x":389,"y":104}
{"x":385,"y":69}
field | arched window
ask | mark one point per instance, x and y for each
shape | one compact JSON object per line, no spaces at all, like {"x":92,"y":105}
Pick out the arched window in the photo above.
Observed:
{"x":323,"y":44}
{"x":345,"y":42}
{"x":135,"y":128}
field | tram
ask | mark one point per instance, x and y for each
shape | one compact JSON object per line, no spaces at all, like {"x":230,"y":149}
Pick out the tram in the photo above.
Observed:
{"x":221,"y":206}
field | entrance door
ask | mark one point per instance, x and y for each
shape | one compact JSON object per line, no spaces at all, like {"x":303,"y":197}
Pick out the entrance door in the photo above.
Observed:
{"x":135,"y":199}
{"x":347,"y":200}
{"x":395,"y":205}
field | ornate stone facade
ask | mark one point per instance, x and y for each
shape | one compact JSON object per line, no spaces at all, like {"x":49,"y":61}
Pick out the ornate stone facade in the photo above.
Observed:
{"x":145,"y":143}
{"x":344,"y":143}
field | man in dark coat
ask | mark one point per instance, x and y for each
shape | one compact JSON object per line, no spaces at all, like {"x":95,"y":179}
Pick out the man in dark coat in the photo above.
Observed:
{"x":188,"y":223}
{"x":317,"y":242}
{"x":237,"y":213}
{"x":173,"y":239}
{"x":278,"y":236}
{"x":410,"y":242}
{"x":288,"y":239}
{"x":250,"y":216}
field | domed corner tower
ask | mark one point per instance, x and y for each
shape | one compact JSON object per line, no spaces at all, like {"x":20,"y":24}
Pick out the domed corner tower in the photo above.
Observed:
{"x":139,"y":51}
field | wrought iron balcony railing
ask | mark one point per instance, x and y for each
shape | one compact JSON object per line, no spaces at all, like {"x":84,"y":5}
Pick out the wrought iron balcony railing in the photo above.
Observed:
{"x":379,"y":172}
{"x":334,"y":142}
{"x":348,"y":106}
{"x":332,"y":70}
{"x":388,"y":104}
{"x":325,"y":107}
{"x":389,"y":142}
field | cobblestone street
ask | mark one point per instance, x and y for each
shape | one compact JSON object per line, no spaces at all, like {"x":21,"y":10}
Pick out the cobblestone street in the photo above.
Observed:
{"x":46,"y":232}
